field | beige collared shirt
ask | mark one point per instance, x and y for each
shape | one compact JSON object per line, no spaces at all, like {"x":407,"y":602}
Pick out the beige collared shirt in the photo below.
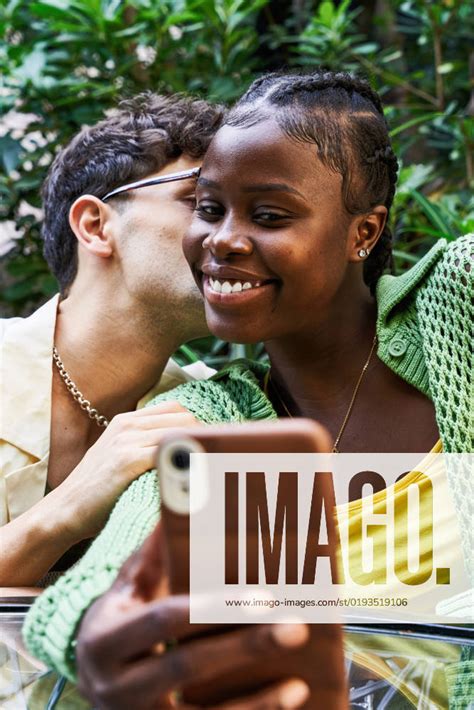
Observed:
{"x":26,"y":370}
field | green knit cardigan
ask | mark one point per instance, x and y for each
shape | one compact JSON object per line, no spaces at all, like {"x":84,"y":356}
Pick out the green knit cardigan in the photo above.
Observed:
{"x":424,"y":327}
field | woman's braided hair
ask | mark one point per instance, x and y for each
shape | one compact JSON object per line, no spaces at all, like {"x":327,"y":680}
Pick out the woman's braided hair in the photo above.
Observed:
{"x":343,"y":116}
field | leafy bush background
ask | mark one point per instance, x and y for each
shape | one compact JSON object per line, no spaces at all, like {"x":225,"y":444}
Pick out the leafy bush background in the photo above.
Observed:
{"x":64,"y":62}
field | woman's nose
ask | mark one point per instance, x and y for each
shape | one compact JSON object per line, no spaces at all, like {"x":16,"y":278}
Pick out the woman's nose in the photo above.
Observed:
{"x":227,"y":240}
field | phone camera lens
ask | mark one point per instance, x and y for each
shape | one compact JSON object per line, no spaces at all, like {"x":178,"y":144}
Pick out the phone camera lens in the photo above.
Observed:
{"x":180,"y":459}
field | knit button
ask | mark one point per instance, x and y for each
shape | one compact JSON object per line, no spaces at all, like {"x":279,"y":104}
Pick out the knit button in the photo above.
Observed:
{"x":397,"y":347}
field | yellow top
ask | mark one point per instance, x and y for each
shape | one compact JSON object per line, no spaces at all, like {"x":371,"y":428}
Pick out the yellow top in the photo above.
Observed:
{"x":437,"y":516}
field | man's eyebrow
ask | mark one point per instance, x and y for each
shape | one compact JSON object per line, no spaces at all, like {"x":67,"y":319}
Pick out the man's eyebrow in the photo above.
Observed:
{"x":263,"y":187}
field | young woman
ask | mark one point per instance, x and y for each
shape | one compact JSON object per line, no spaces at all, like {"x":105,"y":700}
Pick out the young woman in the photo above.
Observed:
{"x":293,"y":201}
{"x":289,"y":244}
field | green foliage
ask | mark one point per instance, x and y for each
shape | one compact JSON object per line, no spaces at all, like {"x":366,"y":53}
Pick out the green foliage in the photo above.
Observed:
{"x":216,"y":353}
{"x":64,"y":62}
{"x":331,"y":38}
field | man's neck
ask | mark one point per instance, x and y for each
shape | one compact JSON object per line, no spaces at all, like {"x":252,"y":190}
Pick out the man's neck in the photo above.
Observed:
{"x":112,"y":353}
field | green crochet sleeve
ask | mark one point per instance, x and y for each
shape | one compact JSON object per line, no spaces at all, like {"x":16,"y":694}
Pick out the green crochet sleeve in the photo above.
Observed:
{"x":445,"y":307}
{"x":51,"y":623}
{"x":446,"y":301}
{"x":446,"y":313}
{"x":50,"y":627}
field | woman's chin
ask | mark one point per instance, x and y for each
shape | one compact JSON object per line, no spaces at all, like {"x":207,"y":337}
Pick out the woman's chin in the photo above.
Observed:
{"x":233,"y":332}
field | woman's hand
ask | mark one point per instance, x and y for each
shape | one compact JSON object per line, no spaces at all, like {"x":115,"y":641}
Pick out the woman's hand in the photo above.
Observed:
{"x":121,"y":663}
{"x":119,"y":667}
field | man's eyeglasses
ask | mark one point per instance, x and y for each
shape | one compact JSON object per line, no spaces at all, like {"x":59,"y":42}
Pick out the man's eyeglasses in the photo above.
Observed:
{"x":172,"y":177}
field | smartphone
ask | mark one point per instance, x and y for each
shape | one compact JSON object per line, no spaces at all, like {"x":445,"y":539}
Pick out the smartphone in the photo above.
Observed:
{"x":321,"y":661}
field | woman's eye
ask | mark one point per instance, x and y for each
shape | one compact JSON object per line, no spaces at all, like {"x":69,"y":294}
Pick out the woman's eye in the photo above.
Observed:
{"x":273,"y":217}
{"x":207,"y":210}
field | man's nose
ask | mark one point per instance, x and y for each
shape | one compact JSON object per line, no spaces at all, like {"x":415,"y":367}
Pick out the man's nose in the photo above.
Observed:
{"x":227,"y":240}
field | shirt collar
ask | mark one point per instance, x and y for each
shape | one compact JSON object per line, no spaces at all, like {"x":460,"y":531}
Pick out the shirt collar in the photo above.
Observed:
{"x":26,"y":379}
{"x":391,"y":290}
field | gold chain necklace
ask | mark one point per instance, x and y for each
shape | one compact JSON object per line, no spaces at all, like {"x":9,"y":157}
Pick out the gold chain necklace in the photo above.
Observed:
{"x":335,"y":450}
{"x":84,"y":403}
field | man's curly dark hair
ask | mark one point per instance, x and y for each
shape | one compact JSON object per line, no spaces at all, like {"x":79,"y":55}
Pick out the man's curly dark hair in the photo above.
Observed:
{"x":136,"y":139}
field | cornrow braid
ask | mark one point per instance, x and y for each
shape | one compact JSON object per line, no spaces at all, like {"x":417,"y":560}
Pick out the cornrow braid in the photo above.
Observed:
{"x":380,"y":154}
{"x":330,"y":80}
{"x":258,"y":87}
{"x":343,"y":117}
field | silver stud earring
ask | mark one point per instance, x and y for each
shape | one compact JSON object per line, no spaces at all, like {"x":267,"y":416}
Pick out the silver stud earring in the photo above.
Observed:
{"x":363,"y":253}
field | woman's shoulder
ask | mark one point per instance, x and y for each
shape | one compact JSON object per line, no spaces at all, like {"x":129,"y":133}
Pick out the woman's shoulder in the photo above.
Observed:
{"x":232,"y":394}
{"x":445,"y":270}
{"x":424,"y":306}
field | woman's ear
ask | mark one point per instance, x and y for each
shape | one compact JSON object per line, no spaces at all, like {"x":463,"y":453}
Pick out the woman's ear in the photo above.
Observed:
{"x":89,"y":219}
{"x":365,"y":233}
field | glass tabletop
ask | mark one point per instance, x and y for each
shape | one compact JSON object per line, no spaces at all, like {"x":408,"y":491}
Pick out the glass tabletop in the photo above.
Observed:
{"x":389,"y":667}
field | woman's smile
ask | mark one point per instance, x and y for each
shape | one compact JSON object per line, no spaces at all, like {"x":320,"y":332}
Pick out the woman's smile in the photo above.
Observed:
{"x":224,"y":286}
{"x":231,"y":293}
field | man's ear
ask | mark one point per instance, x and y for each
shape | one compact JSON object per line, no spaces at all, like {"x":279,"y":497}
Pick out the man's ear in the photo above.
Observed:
{"x":89,"y":219}
{"x":365,"y":232}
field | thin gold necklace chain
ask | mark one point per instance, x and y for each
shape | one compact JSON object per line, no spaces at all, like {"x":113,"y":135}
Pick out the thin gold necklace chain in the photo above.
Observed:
{"x":335,"y":450}
{"x":77,"y":395}
{"x":354,"y":395}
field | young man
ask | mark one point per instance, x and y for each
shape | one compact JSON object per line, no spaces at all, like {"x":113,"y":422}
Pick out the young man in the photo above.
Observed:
{"x":127,"y":301}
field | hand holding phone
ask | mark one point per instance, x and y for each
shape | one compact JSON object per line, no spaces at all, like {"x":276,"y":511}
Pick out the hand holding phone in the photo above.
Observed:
{"x":320,"y":661}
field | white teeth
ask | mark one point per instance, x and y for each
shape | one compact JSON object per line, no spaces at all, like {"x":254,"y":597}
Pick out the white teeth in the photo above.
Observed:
{"x":216,"y":285}
{"x":227,"y":287}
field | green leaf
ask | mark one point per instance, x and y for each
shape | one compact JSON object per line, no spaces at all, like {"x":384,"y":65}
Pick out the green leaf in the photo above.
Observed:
{"x":190,"y":354}
{"x":434,"y":214}
{"x":425,"y":118}
{"x":26,"y":267}
{"x":412,"y":177}
{"x":112,"y":9}
{"x":19,"y":290}
{"x":29,"y":182}
{"x":367,"y":48}
{"x":421,"y":229}
{"x":406,"y":256}
{"x":33,"y":66}
{"x":10,"y":150}
{"x":48,"y":284}
{"x":327,"y":12}
{"x":392,"y":56}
